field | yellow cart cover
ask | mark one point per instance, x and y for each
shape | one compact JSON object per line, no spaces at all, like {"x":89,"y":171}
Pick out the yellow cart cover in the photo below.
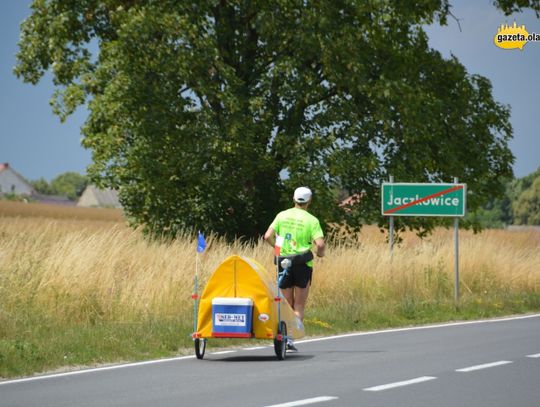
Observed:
{"x":242,"y":277}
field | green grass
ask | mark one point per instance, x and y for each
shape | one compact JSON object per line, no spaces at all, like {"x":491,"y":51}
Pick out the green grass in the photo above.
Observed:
{"x":410,"y":311}
{"x":34,"y":343}
{"x":40,"y":344}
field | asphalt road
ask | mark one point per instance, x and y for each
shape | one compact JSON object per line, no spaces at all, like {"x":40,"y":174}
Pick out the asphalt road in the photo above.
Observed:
{"x":484,"y":363}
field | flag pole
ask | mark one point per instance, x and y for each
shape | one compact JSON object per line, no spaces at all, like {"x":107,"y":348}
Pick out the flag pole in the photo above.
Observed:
{"x":201,"y":245}
{"x":196,"y":293}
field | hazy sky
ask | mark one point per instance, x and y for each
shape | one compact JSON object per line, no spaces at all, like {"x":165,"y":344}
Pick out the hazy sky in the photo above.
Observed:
{"x":37,"y":145}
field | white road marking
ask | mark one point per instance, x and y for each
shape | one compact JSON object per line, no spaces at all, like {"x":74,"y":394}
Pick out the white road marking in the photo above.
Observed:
{"x":400,"y":384}
{"x":536,"y":355}
{"x":223,"y":352}
{"x":305,"y":401}
{"x":256,"y":348}
{"x":384,"y":331}
{"x":97,"y":369}
{"x":484,"y":366}
{"x":419,"y":328}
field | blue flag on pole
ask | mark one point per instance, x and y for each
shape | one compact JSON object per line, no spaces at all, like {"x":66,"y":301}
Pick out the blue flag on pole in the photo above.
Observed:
{"x":201,"y":243}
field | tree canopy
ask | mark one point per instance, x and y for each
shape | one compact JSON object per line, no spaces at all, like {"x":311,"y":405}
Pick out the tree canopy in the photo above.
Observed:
{"x":527,"y":207}
{"x":520,"y":204}
{"x":69,"y":184}
{"x":207,"y":114}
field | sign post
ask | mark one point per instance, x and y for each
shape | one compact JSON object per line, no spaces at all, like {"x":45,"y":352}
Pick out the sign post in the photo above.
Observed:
{"x":456,"y":256}
{"x":421,"y":199}
{"x":391,"y":229}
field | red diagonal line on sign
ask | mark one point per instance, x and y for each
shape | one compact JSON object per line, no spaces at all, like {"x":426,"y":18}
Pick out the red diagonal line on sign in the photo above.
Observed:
{"x":426,"y":198}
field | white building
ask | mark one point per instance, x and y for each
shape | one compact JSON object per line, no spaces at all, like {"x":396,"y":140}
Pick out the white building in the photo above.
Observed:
{"x":95,"y":197}
{"x":11,"y":182}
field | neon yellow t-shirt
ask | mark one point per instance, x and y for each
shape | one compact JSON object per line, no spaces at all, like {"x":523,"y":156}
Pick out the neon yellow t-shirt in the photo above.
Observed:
{"x":299,"y":228}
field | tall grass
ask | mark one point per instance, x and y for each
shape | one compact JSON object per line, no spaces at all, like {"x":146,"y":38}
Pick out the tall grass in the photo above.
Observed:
{"x":75,"y":291}
{"x":499,"y":273}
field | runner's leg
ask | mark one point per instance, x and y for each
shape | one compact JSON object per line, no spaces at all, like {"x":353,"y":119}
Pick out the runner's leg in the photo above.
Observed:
{"x":288,"y":293}
{"x":300,"y":299}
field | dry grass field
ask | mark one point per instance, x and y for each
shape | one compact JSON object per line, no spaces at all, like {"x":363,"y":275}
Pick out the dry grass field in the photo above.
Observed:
{"x":46,"y":211}
{"x":79,"y":286}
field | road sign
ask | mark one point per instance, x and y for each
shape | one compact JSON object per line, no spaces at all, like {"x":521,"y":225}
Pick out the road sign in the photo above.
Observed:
{"x":407,"y":199}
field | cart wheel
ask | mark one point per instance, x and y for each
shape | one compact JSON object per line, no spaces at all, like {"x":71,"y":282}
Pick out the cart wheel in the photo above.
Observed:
{"x":200,"y":347}
{"x":280,"y":345}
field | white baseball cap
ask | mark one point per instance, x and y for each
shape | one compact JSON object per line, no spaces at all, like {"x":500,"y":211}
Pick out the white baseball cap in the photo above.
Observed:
{"x":302,"y":195}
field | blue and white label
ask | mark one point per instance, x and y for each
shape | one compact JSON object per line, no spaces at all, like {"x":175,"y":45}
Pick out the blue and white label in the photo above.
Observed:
{"x":222,"y":319}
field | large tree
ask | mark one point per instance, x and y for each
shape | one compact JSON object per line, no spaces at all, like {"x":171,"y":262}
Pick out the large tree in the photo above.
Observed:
{"x":208,"y":113}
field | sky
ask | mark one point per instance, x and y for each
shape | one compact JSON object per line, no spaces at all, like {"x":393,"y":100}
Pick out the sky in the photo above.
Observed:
{"x":36,"y":144}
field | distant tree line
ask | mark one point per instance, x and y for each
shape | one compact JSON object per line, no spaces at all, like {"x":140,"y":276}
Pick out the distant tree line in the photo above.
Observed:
{"x":69,"y":184}
{"x":520,"y":204}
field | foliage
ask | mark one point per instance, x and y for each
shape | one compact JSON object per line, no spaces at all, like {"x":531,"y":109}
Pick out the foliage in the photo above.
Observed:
{"x":9,"y":196}
{"x":521,"y":184}
{"x":198,"y":109}
{"x":42,"y":186}
{"x":520,"y":204}
{"x":527,"y":206}
{"x":513,"y":6}
{"x":497,"y":212}
{"x":70,"y":184}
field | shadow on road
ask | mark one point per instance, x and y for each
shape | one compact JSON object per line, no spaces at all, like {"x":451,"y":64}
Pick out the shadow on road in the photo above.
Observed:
{"x":263,"y":358}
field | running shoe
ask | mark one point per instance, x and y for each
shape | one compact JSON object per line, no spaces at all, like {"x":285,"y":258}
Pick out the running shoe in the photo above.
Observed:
{"x":290,"y":346}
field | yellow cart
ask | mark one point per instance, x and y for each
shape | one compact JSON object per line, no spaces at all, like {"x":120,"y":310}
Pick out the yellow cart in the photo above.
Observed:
{"x":223,"y":310}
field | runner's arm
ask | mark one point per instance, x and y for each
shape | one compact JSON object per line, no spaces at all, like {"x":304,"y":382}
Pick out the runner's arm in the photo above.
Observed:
{"x":269,"y":236}
{"x":319,"y":243}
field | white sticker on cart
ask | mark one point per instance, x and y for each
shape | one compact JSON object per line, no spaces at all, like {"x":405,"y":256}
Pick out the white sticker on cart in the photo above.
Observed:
{"x":230,"y":319}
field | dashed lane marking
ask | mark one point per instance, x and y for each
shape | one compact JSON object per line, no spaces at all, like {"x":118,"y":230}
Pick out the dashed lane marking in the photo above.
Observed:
{"x":305,"y":402}
{"x":400,"y":384}
{"x":484,"y":366}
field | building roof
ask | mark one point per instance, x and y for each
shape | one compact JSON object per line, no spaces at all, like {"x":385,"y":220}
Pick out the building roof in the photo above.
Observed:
{"x":20,"y":183}
{"x":94,"y":196}
{"x":53,"y":199}
{"x":352,"y":200}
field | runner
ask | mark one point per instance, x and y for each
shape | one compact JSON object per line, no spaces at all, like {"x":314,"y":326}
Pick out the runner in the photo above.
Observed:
{"x":299,"y":230}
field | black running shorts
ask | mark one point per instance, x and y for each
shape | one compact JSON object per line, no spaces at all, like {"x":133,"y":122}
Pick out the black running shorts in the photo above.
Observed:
{"x":299,"y":275}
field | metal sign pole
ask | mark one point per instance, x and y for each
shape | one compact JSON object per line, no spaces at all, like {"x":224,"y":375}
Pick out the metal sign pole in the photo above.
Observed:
{"x":456,"y":255}
{"x":391,"y":228}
